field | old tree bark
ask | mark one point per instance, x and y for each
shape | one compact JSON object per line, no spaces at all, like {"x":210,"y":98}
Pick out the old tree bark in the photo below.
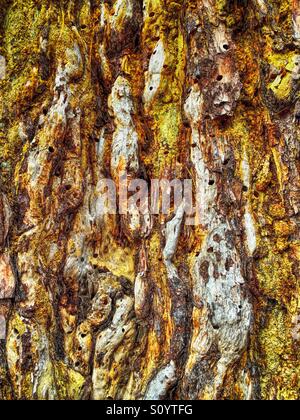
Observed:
{"x":98,"y":307}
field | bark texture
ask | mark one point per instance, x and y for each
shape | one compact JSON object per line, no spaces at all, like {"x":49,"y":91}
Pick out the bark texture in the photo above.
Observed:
{"x":125,"y":307}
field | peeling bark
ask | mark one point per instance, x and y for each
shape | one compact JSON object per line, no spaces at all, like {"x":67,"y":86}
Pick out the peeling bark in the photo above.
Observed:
{"x":143,"y":306}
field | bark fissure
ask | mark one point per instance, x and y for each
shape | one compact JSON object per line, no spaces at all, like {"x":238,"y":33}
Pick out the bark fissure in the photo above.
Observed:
{"x":147,"y":306}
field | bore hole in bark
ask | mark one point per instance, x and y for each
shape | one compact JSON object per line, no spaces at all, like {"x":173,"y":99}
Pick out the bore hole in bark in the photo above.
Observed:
{"x":226,"y":46}
{"x":83,"y":26}
{"x":68,"y":187}
{"x":211,"y":182}
{"x":77,"y":364}
{"x":226,"y":161}
{"x":95,"y":255}
{"x":216,"y":327}
{"x":245,"y":188}
{"x":219,"y":77}
{"x":151,"y":88}
{"x":82,"y":335}
{"x":79,"y":348}
{"x":45,"y":111}
{"x":272,"y":302}
{"x":151,"y":14}
{"x":51,"y":149}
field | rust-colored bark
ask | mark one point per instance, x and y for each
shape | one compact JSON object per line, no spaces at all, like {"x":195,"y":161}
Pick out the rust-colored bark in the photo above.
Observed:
{"x":112,"y":306}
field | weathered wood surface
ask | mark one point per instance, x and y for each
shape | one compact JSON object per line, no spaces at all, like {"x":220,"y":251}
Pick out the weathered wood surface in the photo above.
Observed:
{"x":98,"y":307}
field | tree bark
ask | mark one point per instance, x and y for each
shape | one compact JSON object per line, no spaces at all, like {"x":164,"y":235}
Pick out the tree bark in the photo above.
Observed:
{"x":97,"y":306}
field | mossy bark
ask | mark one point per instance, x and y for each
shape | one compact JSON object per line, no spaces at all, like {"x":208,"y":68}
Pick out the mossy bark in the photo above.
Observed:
{"x":101,"y":307}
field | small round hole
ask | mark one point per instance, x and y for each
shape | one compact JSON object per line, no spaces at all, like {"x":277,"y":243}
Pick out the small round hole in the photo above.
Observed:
{"x":226,"y":47}
{"x":219,"y":77}
{"x":245,"y":188}
{"x":51,"y":149}
{"x":211,"y":182}
{"x":151,"y":88}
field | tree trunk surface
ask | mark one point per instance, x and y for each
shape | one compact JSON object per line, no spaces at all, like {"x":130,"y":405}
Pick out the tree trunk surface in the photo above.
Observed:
{"x":126,"y":306}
